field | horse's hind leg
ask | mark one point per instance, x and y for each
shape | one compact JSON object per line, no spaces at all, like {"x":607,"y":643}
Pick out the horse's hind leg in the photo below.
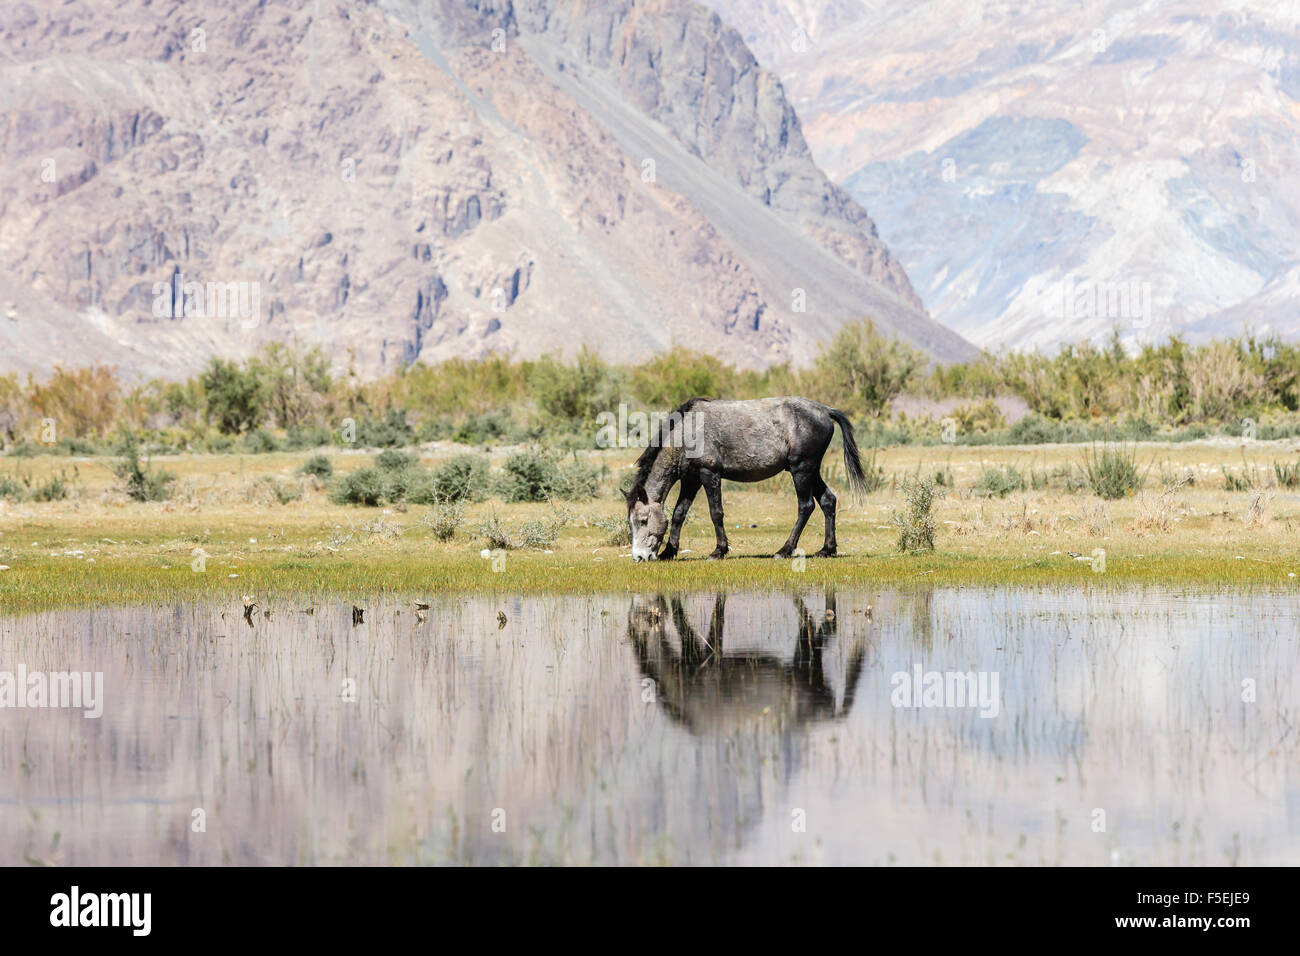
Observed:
{"x":826,"y":498}
{"x":804,"y":489}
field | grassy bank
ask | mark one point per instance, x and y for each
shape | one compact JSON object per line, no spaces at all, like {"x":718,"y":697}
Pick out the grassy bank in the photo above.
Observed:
{"x":221,"y":536}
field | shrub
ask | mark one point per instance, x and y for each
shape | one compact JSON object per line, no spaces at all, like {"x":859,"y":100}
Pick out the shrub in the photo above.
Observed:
{"x":445,"y":518}
{"x":392,"y":460}
{"x":491,"y":426}
{"x":1112,"y":472}
{"x":916,"y":525}
{"x":1288,"y":474}
{"x":259,"y":442}
{"x":979,"y":419}
{"x":219,"y":443}
{"x":388,"y":432}
{"x":394,"y":477}
{"x":318,"y":465}
{"x":236,"y":399}
{"x":491,"y":530}
{"x":1033,"y":430}
{"x":143,"y":483}
{"x":528,"y":476}
{"x":410,"y":483}
{"x":542,"y":533}
{"x":365,"y":486}
{"x":55,"y":489}
{"x":463,"y":477}
{"x":576,"y":480}
{"x":618,"y":533}
{"x":1244,"y":481}
{"x":573,"y":395}
{"x":999,"y":482}
{"x":12,"y":489}
{"x":74,"y":446}
{"x":309,"y":436}
{"x":268,"y":489}
{"x":864,"y":370}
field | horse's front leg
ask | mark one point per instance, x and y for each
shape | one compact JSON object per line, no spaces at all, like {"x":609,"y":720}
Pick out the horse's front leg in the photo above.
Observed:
{"x":689,"y":488}
{"x":712,"y":483}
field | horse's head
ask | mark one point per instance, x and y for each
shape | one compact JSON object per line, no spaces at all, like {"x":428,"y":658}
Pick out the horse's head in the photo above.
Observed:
{"x":648,"y":522}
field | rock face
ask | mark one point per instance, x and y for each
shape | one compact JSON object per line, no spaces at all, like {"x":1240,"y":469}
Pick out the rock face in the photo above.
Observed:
{"x":1034,"y":166}
{"x":414,"y":181}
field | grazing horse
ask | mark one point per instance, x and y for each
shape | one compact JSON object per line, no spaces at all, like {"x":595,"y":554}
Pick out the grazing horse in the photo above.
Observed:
{"x":705,"y":441}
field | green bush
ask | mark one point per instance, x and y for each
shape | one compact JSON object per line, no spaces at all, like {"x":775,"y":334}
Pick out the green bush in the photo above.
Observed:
{"x":1244,"y":481}
{"x":412,"y":484}
{"x":573,"y":395}
{"x":462,"y":477}
{"x":494,"y":533}
{"x":861,"y":370}
{"x":1288,"y":474}
{"x":11,"y":489}
{"x":318,"y":465}
{"x":1112,"y":472}
{"x":1034,"y":430}
{"x":390,"y":431}
{"x":74,"y":446}
{"x":445,"y":518}
{"x":999,"y":482}
{"x":365,"y":486}
{"x":395,"y":476}
{"x":392,"y":460}
{"x":143,"y":483}
{"x":55,"y":489}
{"x":576,"y":480}
{"x":540,"y":533}
{"x":259,"y":442}
{"x":618,"y":533}
{"x":236,"y":397}
{"x":916,"y":525}
{"x":528,"y":476}
{"x":307,"y":436}
{"x":268,"y":488}
{"x":219,"y":443}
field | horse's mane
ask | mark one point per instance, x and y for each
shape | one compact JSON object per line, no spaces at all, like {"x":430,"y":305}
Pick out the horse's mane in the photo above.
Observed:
{"x":646,"y":460}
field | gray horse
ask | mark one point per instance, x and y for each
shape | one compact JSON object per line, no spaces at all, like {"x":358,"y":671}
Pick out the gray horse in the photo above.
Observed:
{"x":704,"y":441}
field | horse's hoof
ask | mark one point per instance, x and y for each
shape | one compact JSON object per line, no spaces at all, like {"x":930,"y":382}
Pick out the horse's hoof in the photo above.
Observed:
{"x":717,"y":555}
{"x":825,"y":553}
{"x":667,"y":554}
{"x":781,"y":554}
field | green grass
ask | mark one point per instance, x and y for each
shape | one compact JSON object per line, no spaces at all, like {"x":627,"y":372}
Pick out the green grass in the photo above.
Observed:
{"x":141,"y":552}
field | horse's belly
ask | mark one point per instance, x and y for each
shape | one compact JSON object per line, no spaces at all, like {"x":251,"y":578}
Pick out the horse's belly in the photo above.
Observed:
{"x":753,"y":472}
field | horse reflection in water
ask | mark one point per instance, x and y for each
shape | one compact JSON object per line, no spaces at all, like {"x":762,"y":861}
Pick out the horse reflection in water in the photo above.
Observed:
{"x":708,"y":690}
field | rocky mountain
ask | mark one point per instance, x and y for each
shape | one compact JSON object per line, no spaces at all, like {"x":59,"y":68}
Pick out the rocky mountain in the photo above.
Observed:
{"x":1047,"y":172}
{"x":410,"y":181}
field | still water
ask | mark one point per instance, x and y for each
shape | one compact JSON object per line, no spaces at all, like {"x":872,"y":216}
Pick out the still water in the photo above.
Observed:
{"x":963,"y":726}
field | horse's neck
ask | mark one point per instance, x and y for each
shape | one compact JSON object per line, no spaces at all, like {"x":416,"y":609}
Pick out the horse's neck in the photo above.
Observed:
{"x":664,"y":474}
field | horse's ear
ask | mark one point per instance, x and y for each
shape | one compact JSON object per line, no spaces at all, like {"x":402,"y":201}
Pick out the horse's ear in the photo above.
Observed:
{"x":633,"y":495}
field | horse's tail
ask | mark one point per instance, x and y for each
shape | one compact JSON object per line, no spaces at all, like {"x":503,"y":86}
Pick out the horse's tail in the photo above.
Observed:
{"x":852,"y":462}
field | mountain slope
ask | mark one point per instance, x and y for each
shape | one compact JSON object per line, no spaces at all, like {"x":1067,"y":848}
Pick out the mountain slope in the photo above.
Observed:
{"x":415,"y":181}
{"x":1034,"y":166}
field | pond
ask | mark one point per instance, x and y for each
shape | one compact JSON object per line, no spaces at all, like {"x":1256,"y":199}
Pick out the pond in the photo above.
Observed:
{"x":939,"y":726}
